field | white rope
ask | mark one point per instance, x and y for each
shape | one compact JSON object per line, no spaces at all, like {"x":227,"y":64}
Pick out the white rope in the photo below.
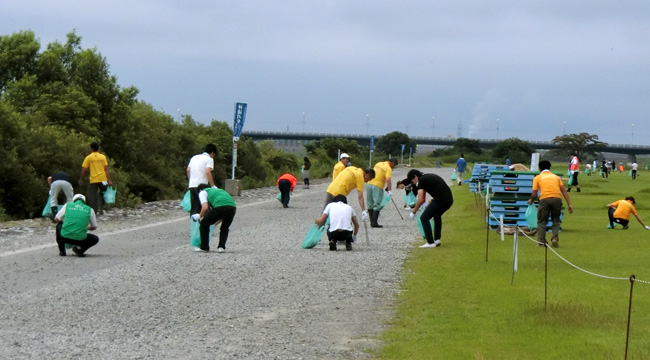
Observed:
{"x":575,"y":266}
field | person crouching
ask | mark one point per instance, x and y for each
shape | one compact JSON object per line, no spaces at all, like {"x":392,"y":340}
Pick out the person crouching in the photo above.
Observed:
{"x":73,"y":222}
{"x":343,"y":222}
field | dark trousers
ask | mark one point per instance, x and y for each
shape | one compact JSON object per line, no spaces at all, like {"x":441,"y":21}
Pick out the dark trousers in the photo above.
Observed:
{"x":195,"y":206}
{"x":546,"y":207}
{"x":434,"y":210}
{"x":612,"y":219}
{"x":95,"y":200}
{"x":90,"y":240}
{"x":343,"y":235}
{"x":633,"y":174}
{"x":224,"y":213}
{"x":285,"y":190}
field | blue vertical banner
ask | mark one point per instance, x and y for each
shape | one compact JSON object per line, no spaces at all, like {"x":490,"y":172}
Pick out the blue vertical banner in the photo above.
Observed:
{"x":372,"y":142}
{"x":238,"y":125}
{"x":403,"y":148}
{"x":372,"y":145}
{"x":240,"y":117}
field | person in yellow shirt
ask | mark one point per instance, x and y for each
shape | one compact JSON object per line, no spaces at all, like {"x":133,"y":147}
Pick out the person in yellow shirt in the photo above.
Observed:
{"x":349,"y":179}
{"x":383,"y":175}
{"x":551,"y":189}
{"x":99,"y":178}
{"x":619,"y":212}
{"x":344,"y":160}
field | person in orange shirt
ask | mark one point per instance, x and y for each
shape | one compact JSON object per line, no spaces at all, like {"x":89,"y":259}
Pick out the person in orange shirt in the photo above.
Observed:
{"x":99,"y":178}
{"x":286,"y":183}
{"x":551,"y":189}
{"x":619,"y":212}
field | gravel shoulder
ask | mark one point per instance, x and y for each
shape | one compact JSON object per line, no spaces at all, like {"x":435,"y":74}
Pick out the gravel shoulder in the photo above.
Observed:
{"x":141,"y":293}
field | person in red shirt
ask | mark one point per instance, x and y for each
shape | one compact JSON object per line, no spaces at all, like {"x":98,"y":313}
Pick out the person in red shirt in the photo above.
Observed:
{"x":286,"y":184}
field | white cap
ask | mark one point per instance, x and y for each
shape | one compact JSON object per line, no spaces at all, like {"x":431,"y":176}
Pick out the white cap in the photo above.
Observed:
{"x":79,"y":197}
{"x":344,"y":155}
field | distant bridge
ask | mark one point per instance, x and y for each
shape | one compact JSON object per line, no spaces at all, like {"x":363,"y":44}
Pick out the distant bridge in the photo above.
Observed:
{"x":364,"y":140}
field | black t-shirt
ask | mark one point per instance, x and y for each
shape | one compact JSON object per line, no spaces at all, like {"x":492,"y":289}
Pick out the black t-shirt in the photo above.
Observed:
{"x":435,"y":186}
{"x":61,"y":176}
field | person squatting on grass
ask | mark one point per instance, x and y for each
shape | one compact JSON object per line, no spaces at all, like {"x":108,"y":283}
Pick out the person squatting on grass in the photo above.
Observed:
{"x":619,"y":212}
{"x":383,"y":175}
{"x":343,"y":222}
{"x":349,"y":179}
{"x":551,"y":189}
{"x":216,"y":206}
{"x":74,"y":220}
{"x":286,"y":183}
{"x":441,"y":201}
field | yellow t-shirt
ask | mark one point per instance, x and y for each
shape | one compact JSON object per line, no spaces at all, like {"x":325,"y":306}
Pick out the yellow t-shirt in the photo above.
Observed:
{"x":349,"y":179}
{"x":549,"y":185}
{"x":623,"y":209}
{"x":96,"y":163}
{"x":337,"y":169}
{"x":383,"y":171}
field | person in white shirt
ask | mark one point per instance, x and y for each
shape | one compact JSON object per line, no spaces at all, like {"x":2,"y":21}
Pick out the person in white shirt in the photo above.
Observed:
{"x":635,"y":167}
{"x":343,"y":222}
{"x":199,"y":171}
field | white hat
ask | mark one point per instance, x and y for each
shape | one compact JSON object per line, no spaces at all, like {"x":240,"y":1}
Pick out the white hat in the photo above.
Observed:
{"x":344,"y":155}
{"x":79,"y":197}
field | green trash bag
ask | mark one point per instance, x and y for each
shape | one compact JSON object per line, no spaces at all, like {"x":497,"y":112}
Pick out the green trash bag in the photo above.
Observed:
{"x":186,"y":203}
{"x":279,"y":197}
{"x":313,"y":236}
{"x":531,"y":217}
{"x":384,"y":201}
{"x":47,"y":210}
{"x":109,"y":195}
{"x":630,"y":173}
{"x":454,"y":176}
{"x":420,"y":225}
{"x":409,"y":199}
{"x":195,"y":233}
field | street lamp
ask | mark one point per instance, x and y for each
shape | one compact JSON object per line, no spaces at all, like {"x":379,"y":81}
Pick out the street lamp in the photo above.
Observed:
{"x":303,"y":122}
{"x":497,"y":129}
{"x":367,"y":124}
{"x":632,"y":135}
{"x":433,"y":125}
{"x":564,"y":130}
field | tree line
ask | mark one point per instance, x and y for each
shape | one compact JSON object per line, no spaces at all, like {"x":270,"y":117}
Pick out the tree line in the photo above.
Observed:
{"x":55,"y":101}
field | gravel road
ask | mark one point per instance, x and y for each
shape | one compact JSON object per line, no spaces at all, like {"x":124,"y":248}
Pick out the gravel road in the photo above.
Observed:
{"x":141,"y":293}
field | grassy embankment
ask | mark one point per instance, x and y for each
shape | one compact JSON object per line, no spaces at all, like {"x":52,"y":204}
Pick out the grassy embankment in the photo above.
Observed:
{"x":457,"y":305}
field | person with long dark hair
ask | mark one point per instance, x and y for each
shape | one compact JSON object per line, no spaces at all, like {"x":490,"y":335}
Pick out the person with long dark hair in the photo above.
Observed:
{"x":304,"y":172}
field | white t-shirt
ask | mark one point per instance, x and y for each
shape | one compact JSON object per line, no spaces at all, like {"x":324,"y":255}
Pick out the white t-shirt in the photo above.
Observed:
{"x":198,"y":164}
{"x":635,"y":166}
{"x":340,"y":215}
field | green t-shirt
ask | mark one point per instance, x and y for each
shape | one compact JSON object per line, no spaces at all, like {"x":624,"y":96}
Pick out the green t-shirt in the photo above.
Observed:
{"x":219,"y":197}
{"x":75,"y":221}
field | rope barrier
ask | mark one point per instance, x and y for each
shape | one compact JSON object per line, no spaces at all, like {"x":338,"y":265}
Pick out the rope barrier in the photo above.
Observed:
{"x":577,"y":267}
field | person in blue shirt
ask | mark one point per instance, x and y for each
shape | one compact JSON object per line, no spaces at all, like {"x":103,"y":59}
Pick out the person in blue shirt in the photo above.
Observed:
{"x":508,"y":162}
{"x":461,"y":165}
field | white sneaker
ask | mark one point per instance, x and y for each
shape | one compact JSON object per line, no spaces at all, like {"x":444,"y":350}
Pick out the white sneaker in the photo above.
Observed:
{"x":437,"y":242}
{"x":427,"y":245}
{"x":221,"y":250}
{"x":200,"y":250}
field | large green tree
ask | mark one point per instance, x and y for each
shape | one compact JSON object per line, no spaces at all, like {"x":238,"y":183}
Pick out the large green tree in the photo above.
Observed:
{"x":517,"y":150}
{"x":391,"y":144}
{"x":467,"y":146}
{"x":579,"y":144}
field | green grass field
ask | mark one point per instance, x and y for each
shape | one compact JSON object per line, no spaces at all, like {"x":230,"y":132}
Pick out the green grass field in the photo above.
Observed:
{"x":455,"y":305}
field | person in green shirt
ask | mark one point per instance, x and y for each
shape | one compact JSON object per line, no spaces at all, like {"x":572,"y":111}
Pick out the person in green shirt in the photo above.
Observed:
{"x":73,"y":222}
{"x":216,"y":206}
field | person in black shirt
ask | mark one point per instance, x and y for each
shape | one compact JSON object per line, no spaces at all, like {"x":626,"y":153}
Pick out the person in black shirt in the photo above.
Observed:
{"x":442,"y":200}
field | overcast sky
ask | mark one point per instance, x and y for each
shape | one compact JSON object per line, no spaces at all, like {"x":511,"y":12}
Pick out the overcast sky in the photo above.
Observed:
{"x":531,"y":69}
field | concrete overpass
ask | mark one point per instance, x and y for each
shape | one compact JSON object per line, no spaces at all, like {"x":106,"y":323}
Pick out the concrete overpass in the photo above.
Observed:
{"x":364,"y":140}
